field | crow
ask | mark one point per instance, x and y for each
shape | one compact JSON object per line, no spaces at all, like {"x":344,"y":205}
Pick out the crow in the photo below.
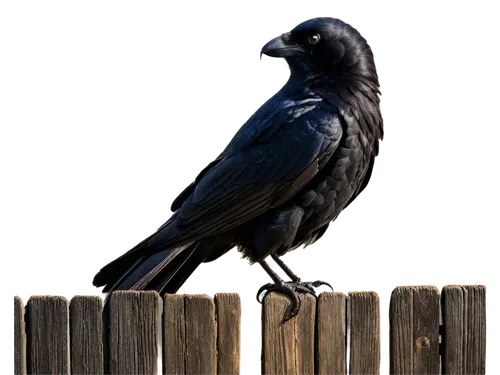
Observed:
{"x":289,"y":171}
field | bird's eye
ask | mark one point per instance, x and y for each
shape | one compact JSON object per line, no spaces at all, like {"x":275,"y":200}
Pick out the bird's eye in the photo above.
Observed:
{"x":313,"y":39}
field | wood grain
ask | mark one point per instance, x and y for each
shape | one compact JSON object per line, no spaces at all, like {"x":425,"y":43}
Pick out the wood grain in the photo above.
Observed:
{"x":86,"y":335}
{"x":201,"y":334}
{"x":19,"y":339}
{"x":133,"y":332}
{"x":464,"y":338}
{"x":174,"y":335}
{"x":228,"y":315}
{"x":288,"y":348}
{"x":364,"y":324}
{"x":48,"y":335}
{"x":414,"y":330}
{"x":331,"y":347}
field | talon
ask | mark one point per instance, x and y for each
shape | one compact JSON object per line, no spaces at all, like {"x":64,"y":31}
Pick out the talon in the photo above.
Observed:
{"x":292,"y":310}
{"x":318,"y":283}
{"x":305,"y":289}
{"x":294,"y":307}
{"x":291,"y":289}
{"x":261,"y":296}
{"x":263,"y":287}
{"x":288,"y":290}
{"x":316,"y":286}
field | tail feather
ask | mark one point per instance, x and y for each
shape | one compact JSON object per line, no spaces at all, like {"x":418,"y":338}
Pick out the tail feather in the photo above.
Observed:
{"x":140,"y":270}
{"x":112,"y":285}
{"x":159,"y":241}
{"x":149,"y":268}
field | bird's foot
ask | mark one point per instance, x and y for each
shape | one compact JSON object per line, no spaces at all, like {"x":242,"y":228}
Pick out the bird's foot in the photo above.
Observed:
{"x":291,"y":289}
{"x":311,"y":285}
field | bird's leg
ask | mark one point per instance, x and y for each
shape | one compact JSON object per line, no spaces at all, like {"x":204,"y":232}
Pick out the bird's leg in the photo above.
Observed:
{"x":296,"y":280}
{"x":273,"y":275}
{"x":288,"y":288}
{"x":285,"y":268}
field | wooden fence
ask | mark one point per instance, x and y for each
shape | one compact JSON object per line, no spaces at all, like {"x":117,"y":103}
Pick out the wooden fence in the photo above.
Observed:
{"x":333,"y":334}
{"x":200,"y":335}
{"x":429,"y":333}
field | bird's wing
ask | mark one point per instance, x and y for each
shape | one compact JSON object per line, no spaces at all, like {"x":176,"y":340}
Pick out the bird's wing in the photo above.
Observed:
{"x":270,"y":168}
{"x":262,"y":125}
{"x":177,"y":203}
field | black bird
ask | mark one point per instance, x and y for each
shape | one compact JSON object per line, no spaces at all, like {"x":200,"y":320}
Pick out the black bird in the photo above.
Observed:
{"x":289,"y":171}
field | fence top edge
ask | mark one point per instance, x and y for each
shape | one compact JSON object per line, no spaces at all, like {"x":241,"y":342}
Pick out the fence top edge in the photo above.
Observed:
{"x":363,"y":294}
{"x":18,"y":300}
{"x":120,"y":292}
{"x":466,"y":287}
{"x":18,"y":297}
{"x":423,"y":287}
{"x":197,"y":297}
{"x":56,"y":295}
{"x":48,"y":298}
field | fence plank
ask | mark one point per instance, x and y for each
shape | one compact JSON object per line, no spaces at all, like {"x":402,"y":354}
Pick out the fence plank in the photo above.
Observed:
{"x":19,"y":338}
{"x":364,"y":323}
{"x":85,"y":314}
{"x":414,"y":330}
{"x":133,"y":332}
{"x":201,"y":352}
{"x":476,"y":330}
{"x":454,"y":332}
{"x":228,"y":313}
{"x":48,"y":335}
{"x":174,"y":335}
{"x":305,"y":332}
{"x":331,"y":338}
{"x":288,"y":348}
{"x":464,"y":320}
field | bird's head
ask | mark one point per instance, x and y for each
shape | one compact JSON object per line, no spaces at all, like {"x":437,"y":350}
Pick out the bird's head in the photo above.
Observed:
{"x":324,"y":46}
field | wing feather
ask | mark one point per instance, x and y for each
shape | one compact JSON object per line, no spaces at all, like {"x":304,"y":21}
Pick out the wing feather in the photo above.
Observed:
{"x":249,"y":181}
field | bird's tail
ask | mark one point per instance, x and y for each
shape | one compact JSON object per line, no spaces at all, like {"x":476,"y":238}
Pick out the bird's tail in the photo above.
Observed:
{"x":164,"y":271}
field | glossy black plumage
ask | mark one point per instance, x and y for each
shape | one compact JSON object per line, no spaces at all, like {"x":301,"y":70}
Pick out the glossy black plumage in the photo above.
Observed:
{"x":288,"y":172}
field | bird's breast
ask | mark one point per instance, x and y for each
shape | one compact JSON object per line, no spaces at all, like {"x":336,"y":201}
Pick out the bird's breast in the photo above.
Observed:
{"x":339,"y":180}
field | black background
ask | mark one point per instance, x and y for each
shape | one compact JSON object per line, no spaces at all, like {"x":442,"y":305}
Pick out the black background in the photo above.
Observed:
{"x":120,"y":107}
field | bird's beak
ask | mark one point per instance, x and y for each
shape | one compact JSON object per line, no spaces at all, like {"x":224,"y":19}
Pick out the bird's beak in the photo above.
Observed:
{"x":282,"y":46}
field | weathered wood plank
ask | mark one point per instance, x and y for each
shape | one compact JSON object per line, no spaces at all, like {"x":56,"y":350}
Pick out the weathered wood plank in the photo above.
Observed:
{"x":85,"y":314}
{"x":48,"y":335}
{"x":401,"y":328}
{"x":174,"y":335}
{"x":476,"y":330}
{"x":454,"y":331}
{"x":331,"y":350}
{"x":133,"y":333}
{"x":19,"y":338}
{"x":288,"y":348}
{"x":305,"y":333}
{"x":464,"y":338}
{"x":201,"y":331}
{"x":228,"y":315}
{"x":364,"y":323}
{"x":414,"y":330}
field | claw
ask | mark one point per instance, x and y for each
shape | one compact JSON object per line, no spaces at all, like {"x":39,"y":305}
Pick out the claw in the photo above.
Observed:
{"x":294,"y":307}
{"x":291,"y":289}
{"x":263,"y":287}
{"x":316,"y":286}
{"x":262,"y":292}
{"x":319,"y":283}
{"x":261,"y":296}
